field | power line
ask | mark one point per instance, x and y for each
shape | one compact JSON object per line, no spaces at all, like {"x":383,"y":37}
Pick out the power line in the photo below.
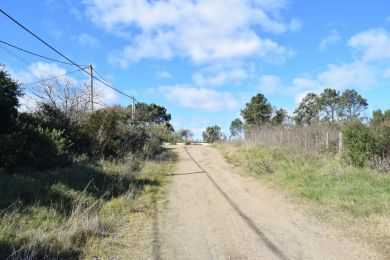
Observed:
{"x":105,"y":83}
{"x":33,"y":53}
{"x":15,"y":55}
{"x":62,"y":55}
{"x":43,"y":80}
{"x":99,"y":75}
{"x":40,"y":39}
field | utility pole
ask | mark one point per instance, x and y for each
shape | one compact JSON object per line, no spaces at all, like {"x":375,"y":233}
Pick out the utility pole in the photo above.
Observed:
{"x":133,"y":108}
{"x":91,"y":79}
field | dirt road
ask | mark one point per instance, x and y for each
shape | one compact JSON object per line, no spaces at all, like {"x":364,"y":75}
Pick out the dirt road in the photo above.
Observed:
{"x":215,"y":213}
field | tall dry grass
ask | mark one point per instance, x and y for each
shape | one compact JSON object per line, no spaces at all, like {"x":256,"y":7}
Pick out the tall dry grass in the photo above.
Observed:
{"x":56,"y":214}
{"x":301,"y":139}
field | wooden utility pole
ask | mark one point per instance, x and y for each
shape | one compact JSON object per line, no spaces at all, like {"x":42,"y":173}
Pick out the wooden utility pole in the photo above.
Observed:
{"x":133,"y":108}
{"x":91,"y":79}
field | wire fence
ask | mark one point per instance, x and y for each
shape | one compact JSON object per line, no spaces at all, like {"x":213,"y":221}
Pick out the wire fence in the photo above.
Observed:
{"x":319,"y":138}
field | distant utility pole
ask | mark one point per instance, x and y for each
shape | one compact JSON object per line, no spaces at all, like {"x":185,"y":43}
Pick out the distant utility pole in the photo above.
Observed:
{"x":91,"y":79}
{"x":133,"y":108}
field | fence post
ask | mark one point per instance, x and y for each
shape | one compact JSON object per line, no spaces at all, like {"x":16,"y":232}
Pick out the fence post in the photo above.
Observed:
{"x":281,"y":136}
{"x":340,"y":142}
{"x":288,"y":137}
{"x":327,"y":141}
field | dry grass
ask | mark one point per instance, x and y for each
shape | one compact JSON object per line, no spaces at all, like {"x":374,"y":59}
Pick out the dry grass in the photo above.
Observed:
{"x":301,"y":139}
{"x":66,"y":213}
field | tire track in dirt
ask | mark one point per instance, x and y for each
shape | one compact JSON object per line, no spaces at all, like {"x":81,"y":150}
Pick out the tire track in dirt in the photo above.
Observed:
{"x":213,"y":212}
{"x":275,"y":249}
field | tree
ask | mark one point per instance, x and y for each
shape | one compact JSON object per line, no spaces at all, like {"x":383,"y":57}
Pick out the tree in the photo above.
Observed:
{"x":308,"y":110}
{"x":257,"y":111}
{"x":379,"y":117}
{"x":185,"y":134}
{"x":9,"y":93}
{"x":212,"y":134}
{"x":66,"y":96}
{"x":152,"y":113}
{"x":351,"y":104}
{"x":279,"y":116}
{"x":236,"y":127}
{"x":329,"y":102}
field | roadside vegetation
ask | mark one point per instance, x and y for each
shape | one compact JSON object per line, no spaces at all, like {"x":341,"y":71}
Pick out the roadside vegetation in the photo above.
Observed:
{"x":345,"y":182}
{"x":71,"y":179}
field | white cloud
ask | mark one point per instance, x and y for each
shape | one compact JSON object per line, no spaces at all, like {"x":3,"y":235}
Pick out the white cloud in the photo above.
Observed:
{"x":386,"y":73}
{"x":199,"y":98}
{"x":374,"y":45}
{"x":219,"y":78}
{"x":104,"y":95}
{"x":201,"y":30}
{"x":270,"y":84}
{"x":351,"y":75}
{"x":89,"y":41}
{"x":357,"y":75}
{"x":162,"y":74}
{"x":331,"y":39}
{"x":367,"y":71}
{"x":41,"y":71}
{"x":295,"y":25}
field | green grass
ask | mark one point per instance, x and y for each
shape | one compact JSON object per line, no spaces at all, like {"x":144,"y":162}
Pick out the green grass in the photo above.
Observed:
{"x":336,"y":190}
{"x":60,"y":213}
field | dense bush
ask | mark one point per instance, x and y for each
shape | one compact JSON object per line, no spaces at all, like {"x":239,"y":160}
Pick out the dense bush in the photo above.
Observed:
{"x":113,"y":134}
{"x":357,"y":143}
{"x":381,"y":135}
{"x":368,"y":144}
{"x":43,"y":148}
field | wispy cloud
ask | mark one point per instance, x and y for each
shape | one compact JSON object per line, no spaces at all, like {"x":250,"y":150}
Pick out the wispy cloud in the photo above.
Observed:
{"x":331,"y":39}
{"x":219,"y":78}
{"x":163,"y":74}
{"x":87,"y":40}
{"x":374,"y":45}
{"x":199,"y":98}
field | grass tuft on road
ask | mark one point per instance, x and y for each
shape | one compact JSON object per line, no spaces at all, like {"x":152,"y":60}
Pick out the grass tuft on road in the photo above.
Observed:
{"x":354,"y":199}
{"x":67,"y":212}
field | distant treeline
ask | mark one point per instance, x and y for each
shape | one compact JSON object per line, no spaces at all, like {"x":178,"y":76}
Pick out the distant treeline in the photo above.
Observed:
{"x":315,"y":124}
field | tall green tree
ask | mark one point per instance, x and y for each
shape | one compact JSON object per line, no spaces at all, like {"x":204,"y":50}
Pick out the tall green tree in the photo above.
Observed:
{"x":379,"y":117}
{"x":185,"y":134}
{"x":257,"y":111}
{"x":236,"y":127}
{"x":280,"y":115}
{"x":9,"y":93}
{"x":308,"y":110}
{"x":152,"y":113}
{"x":212,"y":134}
{"x":351,"y":105}
{"x":329,"y":103}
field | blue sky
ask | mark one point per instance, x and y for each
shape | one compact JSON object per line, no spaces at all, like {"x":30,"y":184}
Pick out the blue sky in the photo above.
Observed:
{"x":204,"y":59}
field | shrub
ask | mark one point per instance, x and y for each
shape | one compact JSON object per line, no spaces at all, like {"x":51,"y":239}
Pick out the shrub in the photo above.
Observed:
{"x":115,"y":135}
{"x":357,"y":143}
{"x":381,"y":136}
{"x":9,"y":145}
{"x":43,"y":148}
